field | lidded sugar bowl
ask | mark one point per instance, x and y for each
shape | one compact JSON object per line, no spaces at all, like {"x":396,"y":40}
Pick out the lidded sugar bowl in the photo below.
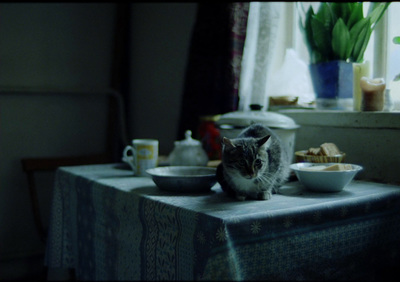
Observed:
{"x":188,"y":152}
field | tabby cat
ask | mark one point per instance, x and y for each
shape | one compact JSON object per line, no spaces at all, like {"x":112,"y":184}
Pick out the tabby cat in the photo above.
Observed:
{"x":254,"y":165}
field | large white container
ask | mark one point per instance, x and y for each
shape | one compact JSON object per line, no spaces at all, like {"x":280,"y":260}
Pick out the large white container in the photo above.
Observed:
{"x":231,"y":124}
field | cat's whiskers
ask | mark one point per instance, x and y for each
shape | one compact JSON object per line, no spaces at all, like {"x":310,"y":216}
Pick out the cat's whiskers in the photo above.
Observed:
{"x":265,"y":178}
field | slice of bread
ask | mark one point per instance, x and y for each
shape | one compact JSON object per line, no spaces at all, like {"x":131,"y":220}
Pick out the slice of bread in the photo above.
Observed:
{"x":334,"y":167}
{"x":338,"y":167}
{"x":329,"y":149}
{"x":314,"y":151}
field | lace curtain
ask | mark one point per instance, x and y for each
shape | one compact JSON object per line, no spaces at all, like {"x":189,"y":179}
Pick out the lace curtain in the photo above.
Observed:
{"x":259,"y":53}
{"x":214,"y":63}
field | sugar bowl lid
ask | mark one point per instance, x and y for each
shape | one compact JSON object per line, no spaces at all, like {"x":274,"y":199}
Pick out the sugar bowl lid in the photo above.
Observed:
{"x":188,"y":141}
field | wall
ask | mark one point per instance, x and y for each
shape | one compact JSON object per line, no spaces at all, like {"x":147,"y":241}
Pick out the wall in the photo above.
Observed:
{"x":57,"y":45}
{"x":50,"y":46}
{"x":160,"y":42}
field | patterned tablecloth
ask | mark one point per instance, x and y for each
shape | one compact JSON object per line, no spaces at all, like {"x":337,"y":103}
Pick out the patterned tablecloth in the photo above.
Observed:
{"x":109,"y":225}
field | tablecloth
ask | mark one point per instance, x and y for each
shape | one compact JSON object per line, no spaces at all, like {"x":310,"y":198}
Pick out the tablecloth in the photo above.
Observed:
{"x":110,"y":225}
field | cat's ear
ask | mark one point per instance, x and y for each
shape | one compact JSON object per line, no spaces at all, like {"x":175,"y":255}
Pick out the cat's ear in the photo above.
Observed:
{"x":228,"y":143}
{"x":263,"y":140}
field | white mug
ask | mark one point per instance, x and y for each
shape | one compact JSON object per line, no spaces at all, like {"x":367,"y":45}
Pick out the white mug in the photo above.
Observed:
{"x":144,"y":155}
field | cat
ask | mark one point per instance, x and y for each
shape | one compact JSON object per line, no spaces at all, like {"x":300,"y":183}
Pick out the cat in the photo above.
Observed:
{"x":254,"y":165}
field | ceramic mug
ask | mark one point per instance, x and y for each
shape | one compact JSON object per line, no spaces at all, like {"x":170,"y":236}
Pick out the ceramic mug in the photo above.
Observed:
{"x":142,"y":155}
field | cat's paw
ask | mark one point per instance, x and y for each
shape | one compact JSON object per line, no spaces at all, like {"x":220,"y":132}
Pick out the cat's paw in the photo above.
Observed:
{"x":276,"y":190}
{"x":264,"y":195}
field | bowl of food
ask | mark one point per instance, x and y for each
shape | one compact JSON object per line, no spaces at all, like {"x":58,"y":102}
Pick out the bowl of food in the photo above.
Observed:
{"x":326,"y":153}
{"x":327,"y":177}
{"x":185,"y":179}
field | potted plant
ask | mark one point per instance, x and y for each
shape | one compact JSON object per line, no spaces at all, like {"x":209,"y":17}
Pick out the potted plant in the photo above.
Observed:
{"x":336,"y":37}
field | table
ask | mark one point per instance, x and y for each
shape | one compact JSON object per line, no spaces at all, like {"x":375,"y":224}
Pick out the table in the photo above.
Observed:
{"x":109,"y":225}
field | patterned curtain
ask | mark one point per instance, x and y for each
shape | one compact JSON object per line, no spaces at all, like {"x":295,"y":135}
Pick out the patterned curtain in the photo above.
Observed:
{"x":214,"y":63}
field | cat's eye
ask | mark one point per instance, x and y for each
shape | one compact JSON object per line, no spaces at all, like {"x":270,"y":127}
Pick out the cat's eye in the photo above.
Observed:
{"x":258,"y":163}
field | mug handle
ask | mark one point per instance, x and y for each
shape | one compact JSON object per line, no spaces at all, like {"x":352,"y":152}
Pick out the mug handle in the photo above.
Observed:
{"x":130,"y":160}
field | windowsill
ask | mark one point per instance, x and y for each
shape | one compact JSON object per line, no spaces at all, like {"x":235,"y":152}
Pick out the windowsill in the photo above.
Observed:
{"x":378,"y":120}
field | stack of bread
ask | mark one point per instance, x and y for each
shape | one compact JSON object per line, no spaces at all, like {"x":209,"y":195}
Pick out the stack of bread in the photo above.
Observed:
{"x":328,"y":152}
{"x":326,"y":149}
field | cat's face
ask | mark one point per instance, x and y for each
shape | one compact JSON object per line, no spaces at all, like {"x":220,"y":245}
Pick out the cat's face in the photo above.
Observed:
{"x":247,"y":156}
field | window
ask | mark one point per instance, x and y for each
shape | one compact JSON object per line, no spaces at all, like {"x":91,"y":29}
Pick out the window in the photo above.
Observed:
{"x":382,"y":54}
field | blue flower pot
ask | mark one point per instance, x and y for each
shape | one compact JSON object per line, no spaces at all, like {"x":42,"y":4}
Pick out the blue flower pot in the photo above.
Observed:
{"x":333,"y":85}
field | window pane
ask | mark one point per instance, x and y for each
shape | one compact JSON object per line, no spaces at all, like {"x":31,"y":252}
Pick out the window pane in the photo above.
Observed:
{"x":393,"y":50}
{"x":393,"y":54}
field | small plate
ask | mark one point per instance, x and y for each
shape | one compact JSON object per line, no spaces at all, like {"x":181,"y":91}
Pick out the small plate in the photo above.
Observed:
{"x":184,"y":178}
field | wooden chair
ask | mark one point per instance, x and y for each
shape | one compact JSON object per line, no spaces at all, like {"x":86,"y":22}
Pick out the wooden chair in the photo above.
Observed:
{"x":33,"y":165}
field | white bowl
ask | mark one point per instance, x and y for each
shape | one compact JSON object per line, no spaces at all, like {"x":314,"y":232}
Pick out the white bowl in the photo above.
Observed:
{"x":185,"y":179}
{"x":324,"y":181}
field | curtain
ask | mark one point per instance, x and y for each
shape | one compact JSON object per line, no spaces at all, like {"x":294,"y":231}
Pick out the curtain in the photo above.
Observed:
{"x":214,"y":64}
{"x":260,"y":53}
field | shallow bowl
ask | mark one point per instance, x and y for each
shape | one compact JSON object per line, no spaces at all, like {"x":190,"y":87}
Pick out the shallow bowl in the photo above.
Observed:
{"x":301,"y":156}
{"x":184,"y":178}
{"x":324,"y":181}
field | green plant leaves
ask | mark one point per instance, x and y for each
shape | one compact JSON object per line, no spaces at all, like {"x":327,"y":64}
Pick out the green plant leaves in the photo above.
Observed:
{"x":308,"y":30}
{"x":376,"y":11}
{"x":342,"y":9}
{"x":341,"y":40}
{"x":356,"y":14}
{"x":326,"y":16}
{"x":321,"y":36}
{"x":360,"y":34}
{"x":339,"y":31}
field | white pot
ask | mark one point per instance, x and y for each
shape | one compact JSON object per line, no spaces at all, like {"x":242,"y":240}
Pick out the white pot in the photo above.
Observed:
{"x":231,"y":124}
